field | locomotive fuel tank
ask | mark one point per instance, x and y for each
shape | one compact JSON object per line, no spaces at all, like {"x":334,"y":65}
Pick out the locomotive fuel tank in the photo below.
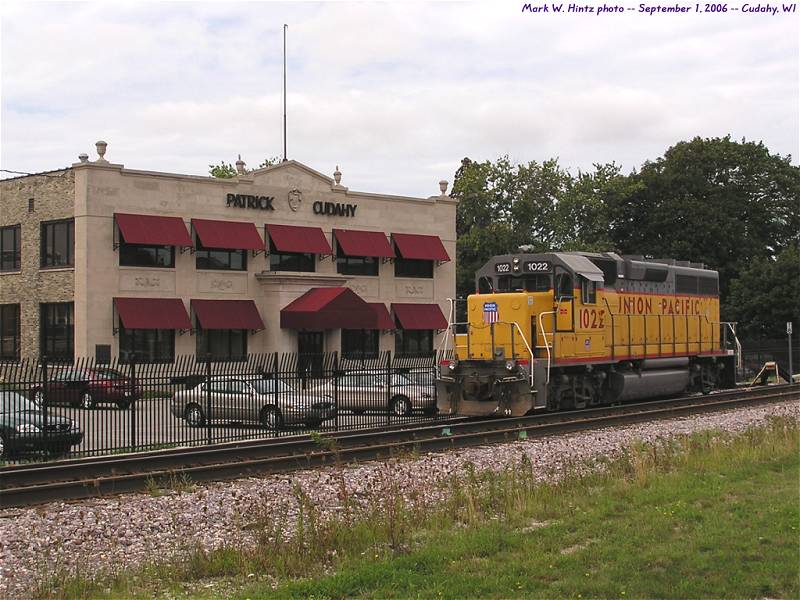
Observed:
{"x":632,"y":385}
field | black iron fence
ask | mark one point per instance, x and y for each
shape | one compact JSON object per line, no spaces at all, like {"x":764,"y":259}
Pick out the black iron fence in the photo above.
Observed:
{"x":757,"y":352}
{"x":89,"y":408}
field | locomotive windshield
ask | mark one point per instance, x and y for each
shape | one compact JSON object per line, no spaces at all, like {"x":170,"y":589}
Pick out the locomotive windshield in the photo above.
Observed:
{"x":539,"y":282}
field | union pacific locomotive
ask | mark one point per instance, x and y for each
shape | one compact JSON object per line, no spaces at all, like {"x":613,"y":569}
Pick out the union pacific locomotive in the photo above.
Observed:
{"x":567,"y":330}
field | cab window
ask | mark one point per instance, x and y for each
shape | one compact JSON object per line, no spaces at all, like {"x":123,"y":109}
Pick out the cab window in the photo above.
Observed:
{"x":588,"y":291}
{"x":564,"y":285}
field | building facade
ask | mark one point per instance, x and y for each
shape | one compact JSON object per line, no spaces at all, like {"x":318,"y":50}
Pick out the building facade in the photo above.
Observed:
{"x":103,"y":261}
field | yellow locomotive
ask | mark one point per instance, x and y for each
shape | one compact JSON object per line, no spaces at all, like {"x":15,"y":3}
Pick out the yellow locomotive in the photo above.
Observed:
{"x":576,"y":329}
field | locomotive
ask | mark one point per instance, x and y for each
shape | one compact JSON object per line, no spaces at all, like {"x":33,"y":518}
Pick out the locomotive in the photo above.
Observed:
{"x":568,"y":330}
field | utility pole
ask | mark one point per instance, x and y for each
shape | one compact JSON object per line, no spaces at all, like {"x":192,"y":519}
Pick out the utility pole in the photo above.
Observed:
{"x":789,"y":335}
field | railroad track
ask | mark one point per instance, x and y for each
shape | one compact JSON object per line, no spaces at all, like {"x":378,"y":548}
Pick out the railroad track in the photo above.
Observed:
{"x":24,"y":485}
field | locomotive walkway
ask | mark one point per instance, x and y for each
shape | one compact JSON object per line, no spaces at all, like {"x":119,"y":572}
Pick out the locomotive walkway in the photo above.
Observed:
{"x":24,"y":485}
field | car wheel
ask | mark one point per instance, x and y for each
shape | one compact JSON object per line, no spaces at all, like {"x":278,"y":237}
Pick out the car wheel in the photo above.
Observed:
{"x":271,"y":417}
{"x":124,"y":404}
{"x":86,"y":400}
{"x":401,"y":406}
{"x":38,"y":397}
{"x":194,"y":416}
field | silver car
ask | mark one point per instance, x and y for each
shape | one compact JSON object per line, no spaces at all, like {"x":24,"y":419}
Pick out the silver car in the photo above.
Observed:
{"x":367,"y":390}
{"x":265,"y":401}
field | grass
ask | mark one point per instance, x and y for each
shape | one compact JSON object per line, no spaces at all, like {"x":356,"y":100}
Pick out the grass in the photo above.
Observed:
{"x":708,"y":515}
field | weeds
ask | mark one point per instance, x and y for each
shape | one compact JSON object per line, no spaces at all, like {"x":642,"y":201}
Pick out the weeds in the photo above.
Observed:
{"x":176,"y":482}
{"x":304,"y":541}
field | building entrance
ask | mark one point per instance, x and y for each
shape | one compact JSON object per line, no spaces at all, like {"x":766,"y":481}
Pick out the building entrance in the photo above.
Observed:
{"x":310,"y":348}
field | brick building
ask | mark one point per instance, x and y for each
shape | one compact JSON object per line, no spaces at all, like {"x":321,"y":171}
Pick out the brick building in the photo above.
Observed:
{"x":100,"y":260}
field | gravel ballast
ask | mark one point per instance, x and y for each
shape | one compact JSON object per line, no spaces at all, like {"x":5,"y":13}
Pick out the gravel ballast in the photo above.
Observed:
{"x":128,"y":531}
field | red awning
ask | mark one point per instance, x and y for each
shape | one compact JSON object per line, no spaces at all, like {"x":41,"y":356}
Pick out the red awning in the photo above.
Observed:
{"x":152,"y":313}
{"x":363,"y":243}
{"x":419,"y":316}
{"x":292,"y":238}
{"x":227,"y":314}
{"x":420,"y":247}
{"x":382,"y":314}
{"x":227,"y":235}
{"x":328,"y":308}
{"x":153,"y":230}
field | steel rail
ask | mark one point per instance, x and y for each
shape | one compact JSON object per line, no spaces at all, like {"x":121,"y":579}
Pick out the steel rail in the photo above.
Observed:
{"x":24,"y":485}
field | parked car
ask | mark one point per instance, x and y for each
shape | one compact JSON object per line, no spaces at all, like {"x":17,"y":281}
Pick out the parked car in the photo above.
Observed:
{"x":265,"y":401}
{"x":360,"y":391}
{"x":24,"y":427}
{"x":86,"y":388}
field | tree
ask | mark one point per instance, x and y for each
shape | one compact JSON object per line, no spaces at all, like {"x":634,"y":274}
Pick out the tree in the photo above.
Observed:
{"x":503,"y":206}
{"x":228,"y":171}
{"x":766,"y":294}
{"x":582,"y":219}
{"x":716,"y":201}
{"x":222,"y":171}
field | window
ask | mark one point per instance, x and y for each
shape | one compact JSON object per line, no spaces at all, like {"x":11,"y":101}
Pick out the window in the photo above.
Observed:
{"x":56,"y":330}
{"x":588,"y":291}
{"x":226,"y":260}
{"x":222,"y":344}
{"x":238,"y":387}
{"x":564,"y":285}
{"x":139,"y":255}
{"x":409,"y":267}
{"x":148,"y":345}
{"x":413,"y":341}
{"x":290,"y":261}
{"x":9,"y":332}
{"x":360,"y":343}
{"x":58,"y":240}
{"x":526,"y":283}
{"x":355,"y":265}
{"x":9,"y":248}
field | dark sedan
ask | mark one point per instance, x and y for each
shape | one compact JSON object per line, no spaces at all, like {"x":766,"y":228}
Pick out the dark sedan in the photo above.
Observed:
{"x":86,"y":388}
{"x":24,"y":427}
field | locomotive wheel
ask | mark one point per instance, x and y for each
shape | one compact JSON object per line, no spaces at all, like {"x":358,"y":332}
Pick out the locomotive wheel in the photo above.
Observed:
{"x":708,"y":378}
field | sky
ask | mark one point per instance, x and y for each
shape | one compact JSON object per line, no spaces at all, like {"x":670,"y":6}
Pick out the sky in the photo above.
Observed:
{"x":394,"y":93}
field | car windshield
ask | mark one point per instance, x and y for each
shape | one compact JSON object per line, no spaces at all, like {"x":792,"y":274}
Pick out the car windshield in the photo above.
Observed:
{"x":267,"y":386}
{"x":12,"y":402}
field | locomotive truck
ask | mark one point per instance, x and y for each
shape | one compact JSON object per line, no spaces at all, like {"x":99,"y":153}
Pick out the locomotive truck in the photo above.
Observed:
{"x":567,"y":330}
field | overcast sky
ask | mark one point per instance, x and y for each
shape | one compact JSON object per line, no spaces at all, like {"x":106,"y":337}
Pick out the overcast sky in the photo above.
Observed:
{"x":394,"y":93}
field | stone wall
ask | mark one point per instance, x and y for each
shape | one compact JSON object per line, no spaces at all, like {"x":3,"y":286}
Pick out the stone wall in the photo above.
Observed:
{"x":53,"y":196}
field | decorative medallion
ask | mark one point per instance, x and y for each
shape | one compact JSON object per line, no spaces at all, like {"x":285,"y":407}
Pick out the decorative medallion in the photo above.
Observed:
{"x":295,"y":198}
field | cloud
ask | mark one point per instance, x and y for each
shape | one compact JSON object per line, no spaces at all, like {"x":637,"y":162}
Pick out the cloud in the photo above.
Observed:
{"x":395,"y":93}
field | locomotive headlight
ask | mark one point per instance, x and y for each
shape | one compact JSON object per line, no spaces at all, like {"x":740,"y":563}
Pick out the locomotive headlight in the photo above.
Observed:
{"x":510,"y":365}
{"x":452,"y":366}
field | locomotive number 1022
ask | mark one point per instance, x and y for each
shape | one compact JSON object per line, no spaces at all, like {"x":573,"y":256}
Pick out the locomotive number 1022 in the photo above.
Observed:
{"x":591,"y":318}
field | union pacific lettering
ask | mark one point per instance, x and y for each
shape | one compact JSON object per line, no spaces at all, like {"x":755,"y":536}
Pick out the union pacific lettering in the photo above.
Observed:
{"x":639,"y":305}
{"x":681,"y":306}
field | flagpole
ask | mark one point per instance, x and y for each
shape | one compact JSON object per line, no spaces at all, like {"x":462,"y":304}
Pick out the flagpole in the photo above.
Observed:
{"x":285,"y":27}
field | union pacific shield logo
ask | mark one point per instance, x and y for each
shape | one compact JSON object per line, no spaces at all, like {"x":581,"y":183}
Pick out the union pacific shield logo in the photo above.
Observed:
{"x":490,"y":314}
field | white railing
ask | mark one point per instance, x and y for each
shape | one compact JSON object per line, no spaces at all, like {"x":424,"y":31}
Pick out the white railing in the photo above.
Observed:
{"x":546,"y":343}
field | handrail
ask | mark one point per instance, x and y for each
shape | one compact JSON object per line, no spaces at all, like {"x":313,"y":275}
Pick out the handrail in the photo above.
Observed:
{"x":442,"y":350}
{"x":533,"y":356}
{"x":544,"y":337}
